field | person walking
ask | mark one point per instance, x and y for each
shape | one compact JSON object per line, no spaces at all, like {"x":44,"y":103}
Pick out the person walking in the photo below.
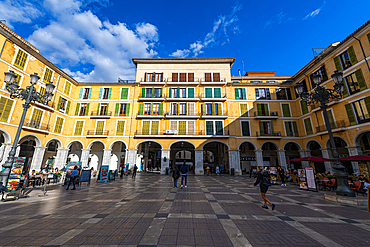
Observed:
{"x":282,"y":175}
{"x":208,"y":168}
{"x":134,"y":172}
{"x":217,"y":170}
{"x":175,"y":175}
{"x":184,"y":175}
{"x":263,"y":179}
{"x":72,"y":178}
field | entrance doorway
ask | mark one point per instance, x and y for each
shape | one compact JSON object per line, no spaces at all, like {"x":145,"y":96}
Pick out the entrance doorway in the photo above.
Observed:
{"x":181,"y":152}
{"x":149,"y":158}
{"x":216,"y":154}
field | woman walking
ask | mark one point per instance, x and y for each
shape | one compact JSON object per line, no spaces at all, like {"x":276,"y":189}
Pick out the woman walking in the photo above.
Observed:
{"x":263,"y":180}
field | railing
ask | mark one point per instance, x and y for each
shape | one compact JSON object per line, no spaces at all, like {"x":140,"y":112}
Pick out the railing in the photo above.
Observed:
{"x":202,"y":96}
{"x":272,"y":134}
{"x":35,"y":124}
{"x":195,"y":114}
{"x":221,"y":114}
{"x":185,"y":132}
{"x":334,"y":125}
{"x":97,"y":132}
{"x":152,"y":114}
{"x":222,"y":80}
{"x":96,"y":113}
{"x":151,"y":96}
{"x":271,"y":114}
{"x":169,"y":79}
{"x":187,"y":97}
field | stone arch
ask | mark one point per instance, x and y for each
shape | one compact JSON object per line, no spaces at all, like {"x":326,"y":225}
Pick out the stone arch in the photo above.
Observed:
{"x":328,"y":141}
{"x":296,"y":143}
{"x":112,"y":144}
{"x":358,"y":136}
{"x":216,"y":141}
{"x":96,"y":141}
{"x":7,"y":136}
{"x":60,"y":144}
{"x":169,"y":147}
{"x":137,"y":145}
{"x":312,"y":140}
{"x":37,"y":139}
{"x":277,"y":146}
{"x":71,"y":142}
{"x":255,"y":147}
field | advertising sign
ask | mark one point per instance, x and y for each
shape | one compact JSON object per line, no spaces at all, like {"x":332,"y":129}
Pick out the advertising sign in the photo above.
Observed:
{"x":85,"y":176}
{"x":104,"y":173}
{"x":70,"y":168}
{"x":310,"y":177}
{"x":15,"y":174}
{"x":302,"y":179}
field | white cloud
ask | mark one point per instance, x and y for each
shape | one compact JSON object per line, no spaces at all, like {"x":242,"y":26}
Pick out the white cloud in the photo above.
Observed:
{"x":315,"y":12}
{"x":18,"y":11}
{"x":218,"y":35}
{"x":279,"y":18}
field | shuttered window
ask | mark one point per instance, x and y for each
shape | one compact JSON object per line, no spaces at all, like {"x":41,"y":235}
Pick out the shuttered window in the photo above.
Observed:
{"x":191,"y":109}
{"x":173,"y":125}
{"x":5,"y":108}
{"x":208,"y":92}
{"x":362,"y":108}
{"x":191,"y":128}
{"x":245,"y":128}
{"x":209,"y":128}
{"x":304,"y":107}
{"x":67,"y":88}
{"x":58,"y":125}
{"x":155,"y":128}
{"x":219,"y":127}
{"x":78,"y":128}
{"x":331,"y":118}
{"x":47,"y":75}
{"x":207,"y":77}
{"x":175,"y":77}
{"x":36,"y":118}
{"x":350,"y":114}
{"x":182,"y":77}
{"x":216,"y":77}
{"x":190,"y":92}
{"x":286,"y":110}
{"x":20,"y":60}
{"x":120,"y":128}
{"x":244,"y":110}
{"x":190,"y":77}
{"x":217,"y":92}
{"x":263,"y":109}
{"x":182,"y":128}
{"x":145,"y":127}
{"x":124,"y":93}
{"x":291,"y":128}
{"x":99,"y":127}
{"x":308,"y":126}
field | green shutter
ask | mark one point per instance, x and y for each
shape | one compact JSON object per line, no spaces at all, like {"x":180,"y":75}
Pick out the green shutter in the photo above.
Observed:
{"x":116,"y":110}
{"x":259,"y":109}
{"x":190,"y":92}
{"x":272,"y":128}
{"x":124,"y":93}
{"x":219,"y":128}
{"x":295,"y":128}
{"x":208,"y":92}
{"x":367,"y":103}
{"x":244,"y":110}
{"x":267,"y":113}
{"x":77,"y":109}
{"x":337,"y":64}
{"x":68,"y":106}
{"x":360,"y":79}
{"x":151,"y":109}
{"x":161,"y":109}
{"x":286,"y":110}
{"x":152,"y":92}
{"x":97,"y":111}
{"x":209,"y":128}
{"x":128,"y":109}
{"x":178,"y":92}
{"x":352,"y":55}
{"x":120,"y":128}
{"x":87,"y":109}
{"x":217,"y":92}
{"x":213,"y":109}
{"x":368,"y":37}
{"x":245,"y":128}
{"x":90,"y":93}
{"x":308,"y":125}
{"x":109,"y":93}
{"x":244,"y":94}
{"x":100,"y":92}
{"x":287,"y":129}
{"x":345,"y":90}
{"x":262,"y":130}
{"x":160,"y":93}
{"x":141,"y":109}
{"x":351,"y":114}
{"x":236,"y":93}
{"x":170,"y":93}
{"x":204,"y":109}
{"x":182,"y":128}
{"x":331,"y":119}
{"x":59,"y":103}
{"x":143,"y":92}
{"x":304,"y":107}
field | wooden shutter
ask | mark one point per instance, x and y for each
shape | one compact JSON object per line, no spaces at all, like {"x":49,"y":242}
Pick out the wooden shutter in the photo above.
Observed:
{"x":287,"y":131}
{"x":90,"y":93}
{"x":155,"y":128}
{"x":120,"y":128}
{"x":219,"y":128}
{"x":78,"y":129}
{"x":337,"y":64}
{"x":141,"y":109}
{"x":173,"y":125}
{"x":5,"y":108}
{"x":259,"y":109}
{"x":127,"y":109}
{"x":331,"y":119}
{"x":217,"y":92}
{"x":145,"y":127}
{"x":237,"y":93}
{"x":175,"y":77}
{"x":81,"y":92}
{"x":308,"y":126}
{"x":190,"y":77}
{"x":286,"y":110}
{"x":266,"y":109}
{"x":351,"y":114}
{"x":216,"y":77}
{"x":272,"y":128}
{"x":191,"y":128}
{"x":152,"y":92}
{"x":345,"y":89}
{"x":182,"y":128}
{"x":68,"y":106}
{"x":87,"y":109}
{"x":304,"y":107}
{"x":262,"y":129}
{"x":208,"y":92}
{"x":182,"y":77}
{"x":209,"y":128}
{"x":98,"y":110}
{"x":244,"y":94}
{"x":109,"y":92}
{"x":20,"y":60}
{"x":143,"y":92}
{"x":268,"y":95}
{"x":160,"y":108}
{"x":190,"y":92}
{"x":58,"y":125}
{"x":207,"y":77}
{"x":352,"y":55}
{"x":67,"y":88}
{"x":100,"y":92}
{"x":77,"y":109}
{"x":360,"y":79}
{"x":99,"y":128}
{"x":59,"y":103}
{"x":124,"y":93}
{"x":213,"y":109}
{"x":245,"y":128}
{"x":117,"y":109}
{"x":191,"y":109}
{"x":244,"y":110}
{"x":295,"y":129}
{"x":204,"y":109}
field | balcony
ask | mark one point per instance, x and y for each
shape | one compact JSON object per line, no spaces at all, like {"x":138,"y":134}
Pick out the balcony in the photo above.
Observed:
{"x":151,"y":98}
{"x":269,"y":115}
{"x":316,"y":106}
{"x":35,"y":126}
{"x":49,"y":107}
{"x":149,"y":115}
{"x":170,"y":82}
{"x":172,"y":98}
{"x":221,"y":82}
{"x":100,"y":115}
{"x":142,"y":82}
{"x":188,"y":115}
{"x":219,"y":115}
{"x":272,"y":135}
{"x":97,"y":133}
{"x":204,"y":98}
{"x":337,"y":126}
{"x":177,"y":134}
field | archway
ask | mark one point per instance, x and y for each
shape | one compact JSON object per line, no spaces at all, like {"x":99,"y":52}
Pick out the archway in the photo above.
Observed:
{"x":292,"y":152}
{"x":149,"y":158}
{"x":315,"y":149}
{"x":182,"y":151}
{"x":269,"y":154}
{"x":51,"y":153}
{"x":119,"y":151}
{"x":2,"y":148}
{"x":363,"y":141}
{"x":216,"y":154}
{"x":342,"y":150}
{"x":74,"y":153}
{"x":97,"y":149}
{"x":247,"y":157}
{"x":26,"y":148}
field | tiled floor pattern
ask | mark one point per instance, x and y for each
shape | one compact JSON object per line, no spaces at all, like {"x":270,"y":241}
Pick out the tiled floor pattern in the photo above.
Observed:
{"x":212,"y":211}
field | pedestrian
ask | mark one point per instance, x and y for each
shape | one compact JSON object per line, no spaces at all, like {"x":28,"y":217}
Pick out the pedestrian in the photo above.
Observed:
{"x":134,"y":172}
{"x":217,"y":170}
{"x":184,"y":175}
{"x":208,"y":168}
{"x":122,"y":170}
{"x":72,"y":178}
{"x":221,"y":169}
{"x":175,"y":175}
{"x":282,"y":175}
{"x":263,"y":179}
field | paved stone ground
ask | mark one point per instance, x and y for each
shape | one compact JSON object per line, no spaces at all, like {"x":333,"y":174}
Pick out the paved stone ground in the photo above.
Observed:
{"x":212,"y":211}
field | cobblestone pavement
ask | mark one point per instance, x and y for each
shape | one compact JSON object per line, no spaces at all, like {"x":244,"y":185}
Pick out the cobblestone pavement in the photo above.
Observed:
{"x":212,"y":211}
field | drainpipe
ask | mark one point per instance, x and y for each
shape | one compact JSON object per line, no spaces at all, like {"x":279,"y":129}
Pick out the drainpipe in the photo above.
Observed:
{"x":363,"y":52}
{"x":1,"y":52}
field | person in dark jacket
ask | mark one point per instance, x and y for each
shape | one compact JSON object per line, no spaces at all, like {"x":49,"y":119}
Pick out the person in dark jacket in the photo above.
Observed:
{"x":175,"y":175}
{"x":282,"y":175}
{"x":134,"y":173}
{"x":184,"y":174}
{"x":72,"y":178}
{"x":264,"y":187}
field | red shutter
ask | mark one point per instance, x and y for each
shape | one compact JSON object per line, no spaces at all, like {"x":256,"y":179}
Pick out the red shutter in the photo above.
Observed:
{"x":216,"y":77}
{"x":175,"y":77}
{"x":190,"y":77}
{"x":182,"y":77}
{"x":208,"y":77}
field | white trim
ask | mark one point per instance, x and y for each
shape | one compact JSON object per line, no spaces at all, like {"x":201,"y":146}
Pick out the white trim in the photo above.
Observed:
{"x":124,"y":128}
{"x":128,"y":93}
{"x":340,"y":52}
{"x":240,"y":109}
{"x":241,"y":127}
{"x":55,"y":124}
{"x":282,"y":112}
{"x":75,"y":125}
{"x":17,"y":48}
{"x":214,"y":127}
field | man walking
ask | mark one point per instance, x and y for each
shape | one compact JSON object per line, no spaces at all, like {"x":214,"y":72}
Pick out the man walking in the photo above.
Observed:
{"x":175,"y":175}
{"x":263,"y":179}
{"x":282,"y":175}
{"x":134,"y":172}
{"x":184,"y":175}
{"x":72,"y":178}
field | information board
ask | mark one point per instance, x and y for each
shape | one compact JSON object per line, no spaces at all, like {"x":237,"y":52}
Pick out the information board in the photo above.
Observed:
{"x":15,"y":174}
{"x":302,"y":179}
{"x":85,"y":176}
{"x":104,"y":173}
{"x":70,"y":168}
{"x":112,"y":175}
{"x":310,"y":177}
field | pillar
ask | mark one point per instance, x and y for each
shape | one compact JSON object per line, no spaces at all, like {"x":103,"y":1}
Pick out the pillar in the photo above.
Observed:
{"x":61,"y":158}
{"x":198,"y":159}
{"x":85,"y":157}
{"x":303,"y":154}
{"x":259,"y":157}
{"x":165,"y":160}
{"x":327,"y":154}
{"x":282,"y":159}
{"x":37,"y":158}
{"x":352,"y":152}
{"x":234,"y":161}
{"x":17,"y":151}
{"x":5,"y":154}
{"x":106,"y":157}
{"x":131,"y":158}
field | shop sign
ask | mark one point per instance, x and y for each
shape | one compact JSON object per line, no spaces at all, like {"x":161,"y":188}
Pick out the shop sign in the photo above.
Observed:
{"x":104,"y":173}
{"x":247,"y":158}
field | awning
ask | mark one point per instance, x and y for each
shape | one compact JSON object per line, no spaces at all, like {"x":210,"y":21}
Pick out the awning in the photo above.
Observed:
{"x":312,"y":158}
{"x":356,"y":158}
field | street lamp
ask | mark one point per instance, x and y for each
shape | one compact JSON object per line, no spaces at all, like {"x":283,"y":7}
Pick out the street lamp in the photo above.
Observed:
{"x":29,"y":95}
{"x":321,"y":95}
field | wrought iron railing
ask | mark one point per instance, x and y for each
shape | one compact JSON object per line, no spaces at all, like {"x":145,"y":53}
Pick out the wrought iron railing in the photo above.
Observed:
{"x":334,"y":125}
{"x":272,"y":134}
{"x":35,"y":124}
{"x":106,"y":113}
{"x":269,"y":114}
{"x":97,"y":132}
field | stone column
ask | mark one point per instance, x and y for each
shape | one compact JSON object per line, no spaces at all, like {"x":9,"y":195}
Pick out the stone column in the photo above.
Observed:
{"x":85,"y":157}
{"x":234,"y":161}
{"x":327,"y":154}
{"x":165,"y":164}
{"x":305,"y":153}
{"x":352,"y":152}
{"x":61,"y":158}
{"x":106,"y":157}
{"x":7,"y":148}
{"x":198,"y":158}
{"x":37,"y":158}
{"x":259,"y":157}
{"x":17,"y":151}
{"x":282,"y":159}
{"x":131,"y":158}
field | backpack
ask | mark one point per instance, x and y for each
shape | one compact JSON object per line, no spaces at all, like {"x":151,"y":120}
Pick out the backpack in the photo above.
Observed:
{"x":266,"y":180}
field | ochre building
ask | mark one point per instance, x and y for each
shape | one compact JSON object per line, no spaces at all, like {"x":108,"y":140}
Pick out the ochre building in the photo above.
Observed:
{"x":187,"y":110}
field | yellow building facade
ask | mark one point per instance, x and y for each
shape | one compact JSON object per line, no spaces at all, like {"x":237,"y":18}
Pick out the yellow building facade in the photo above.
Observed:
{"x":187,"y":110}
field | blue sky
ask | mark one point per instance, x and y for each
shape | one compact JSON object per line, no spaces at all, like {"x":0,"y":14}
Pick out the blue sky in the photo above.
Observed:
{"x":94,"y":40}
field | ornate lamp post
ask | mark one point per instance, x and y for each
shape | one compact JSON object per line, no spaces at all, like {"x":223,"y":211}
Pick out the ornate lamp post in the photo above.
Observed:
{"x":321,"y":95}
{"x":29,"y":95}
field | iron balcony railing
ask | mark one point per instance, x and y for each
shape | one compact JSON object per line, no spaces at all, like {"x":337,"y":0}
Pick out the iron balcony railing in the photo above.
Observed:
{"x":97,"y":132}
{"x":334,"y":125}
{"x":150,"y":96}
{"x":222,"y":114}
{"x":179,"y":132}
{"x":174,"y":96}
{"x":269,"y":114}
{"x":96,"y":113}
{"x":35,"y":124}
{"x":272,"y":134}
{"x":203,"y":97}
{"x":190,"y":114}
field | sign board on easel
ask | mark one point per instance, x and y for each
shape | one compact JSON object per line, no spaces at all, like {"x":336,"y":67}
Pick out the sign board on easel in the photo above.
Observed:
{"x":85,"y":176}
{"x":310,"y":178}
{"x":15,"y":174}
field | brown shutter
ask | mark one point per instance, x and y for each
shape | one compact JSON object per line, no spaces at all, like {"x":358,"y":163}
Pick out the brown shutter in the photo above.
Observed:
{"x":175,"y":77}
{"x":190,"y":77}
{"x":145,"y":76}
{"x":182,"y":77}
{"x":216,"y":77}
{"x":208,"y":77}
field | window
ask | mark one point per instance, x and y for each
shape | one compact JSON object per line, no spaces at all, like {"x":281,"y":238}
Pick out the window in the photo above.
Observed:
{"x":148,"y":92}
{"x":208,"y":108}
{"x":106,"y":93}
{"x":286,"y":110}
{"x":212,"y":92}
{"x":99,"y":130}
{"x":308,"y":126}
{"x":47,"y":75}
{"x":266,"y":128}
{"x":240,"y":93}
{"x":156,"y":109}
{"x":245,"y":128}
{"x":322,"y":73}
{"x":17,"y":79}
{"x":153,"y":77}
{"x":182,"y":77}
{"x":67,"y":88}
{"x":283,"y":94}
{"x":20,"y":60}
{"x":147,"y":109}
{"x":182,"y":109}
{"x":331,"y":118}
{"x":58,"y":125}
{"x":120,"y":128}
{"x":361,"y":108}
{"x":151,"y":109}
{"x":63,"y":104}
{"x":42,"y":90}
{"x":304,"y":107}
{"x":5,"y":108}
{"x":78,"y":128}
{"x":344,"y":60}
{"x":304,"y":88}
{"x":124,"y":93}
{"x":174,"y":92}
{"x":291,"y":128}
{"x":122,"y":109}
{"x":214,"y":128}
{"x":174,"y":108}
{"x":263,"y":93}
{"x":150,"y":127}
{"x":36,"y":118}
{"x":352,"y":84}
{"x":83,"y":109}
{"x":182,"y":93}
{"x":86,"y":93}
{"x":244,"y":110}
{"x":263,"y":109}
{"x":103,"y":111}
{"x":208,"y":77}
